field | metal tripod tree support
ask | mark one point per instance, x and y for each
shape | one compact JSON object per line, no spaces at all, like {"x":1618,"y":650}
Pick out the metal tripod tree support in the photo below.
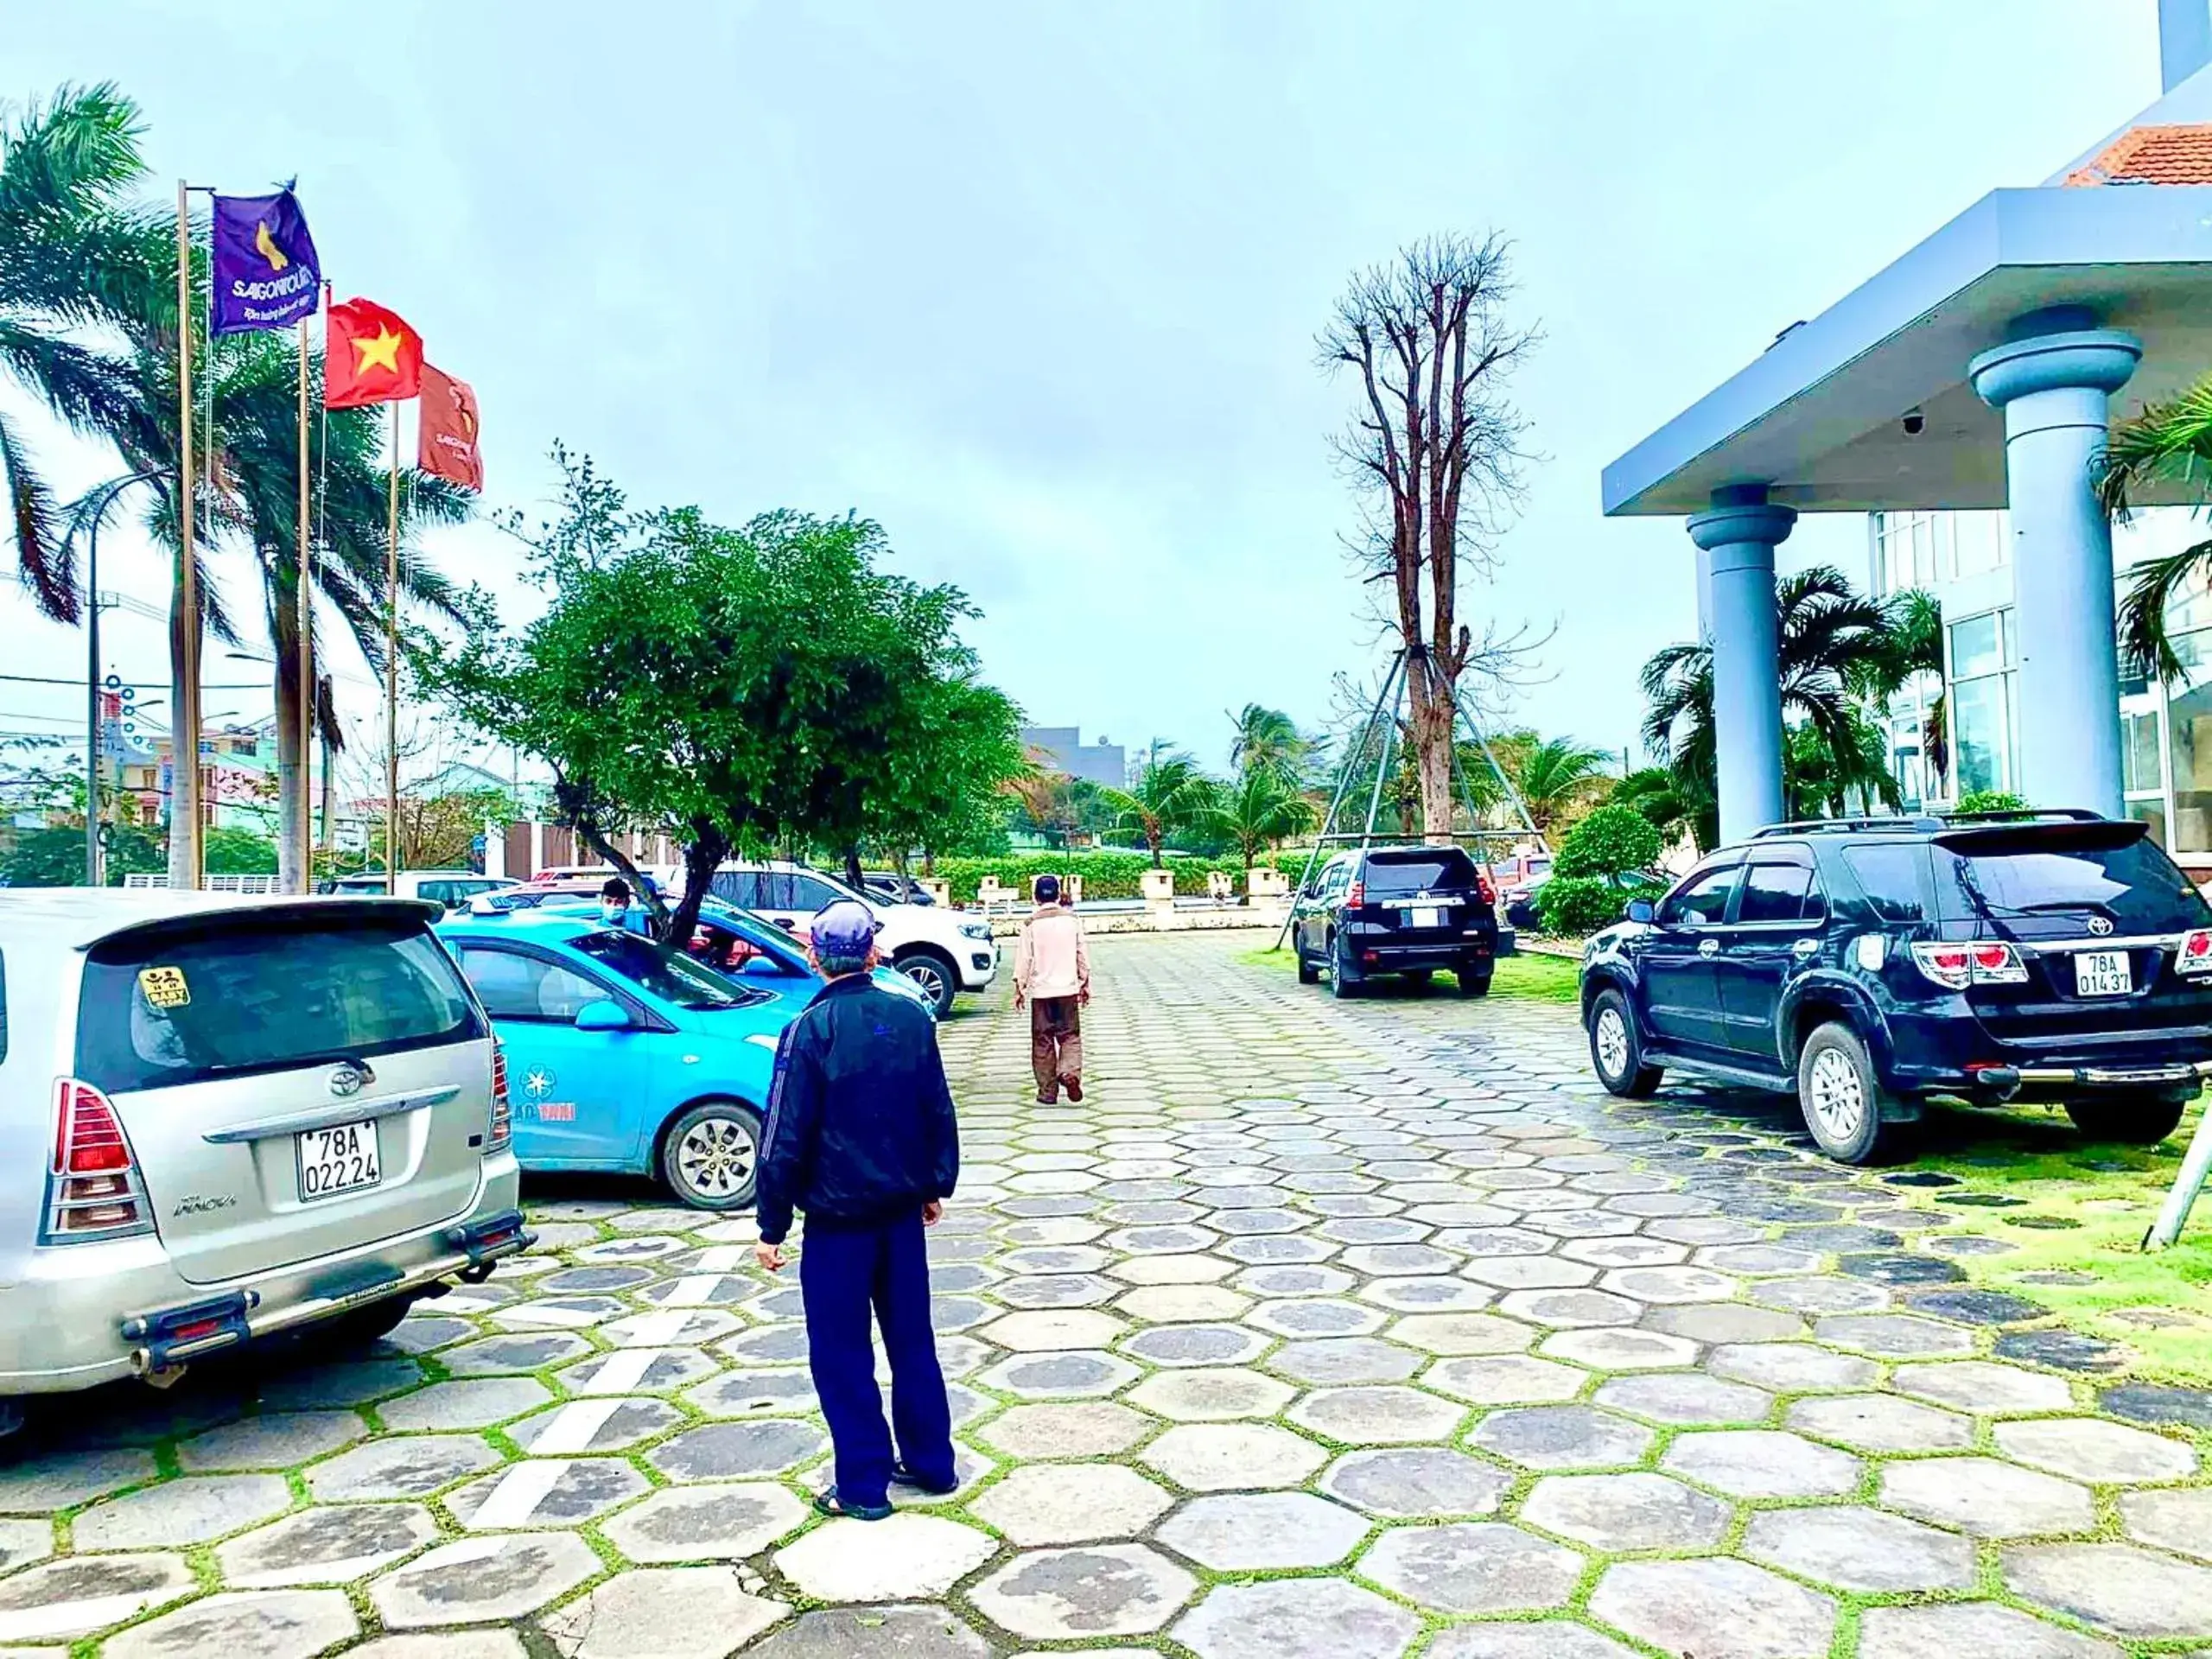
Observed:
{"x":2173,"y":1215}
{"x":1389,"y":701}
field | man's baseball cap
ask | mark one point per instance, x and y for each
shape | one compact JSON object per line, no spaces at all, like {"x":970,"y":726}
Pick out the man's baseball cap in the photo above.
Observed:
{"x":846,"y":928}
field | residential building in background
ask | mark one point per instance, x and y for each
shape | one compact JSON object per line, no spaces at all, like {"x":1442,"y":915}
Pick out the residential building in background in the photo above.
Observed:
{"x":1062,"y":746}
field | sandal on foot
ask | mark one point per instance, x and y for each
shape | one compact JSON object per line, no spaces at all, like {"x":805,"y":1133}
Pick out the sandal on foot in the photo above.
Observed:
{"x":902,"y":1476}
{"x":1074,"y":1086}
{"x":829,"y":1503}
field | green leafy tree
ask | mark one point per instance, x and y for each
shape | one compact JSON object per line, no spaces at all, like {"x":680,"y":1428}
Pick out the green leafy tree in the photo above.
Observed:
{"x":1557,"y":775}
{"x":230,"y":851}
{"x":1657,"y":794}
{"x":1169,"y":794}
{"x":1258,"y":810}
{"x":945,"y":786}
{"x":1991,"y":800}
{"x":1609,"y":841}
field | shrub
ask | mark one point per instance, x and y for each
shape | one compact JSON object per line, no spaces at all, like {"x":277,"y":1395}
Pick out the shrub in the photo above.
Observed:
{"x":1991,"y":800}
{"x":1105,"y":874}
{"x":1609,"y":841}
{"x":1574,"y":907}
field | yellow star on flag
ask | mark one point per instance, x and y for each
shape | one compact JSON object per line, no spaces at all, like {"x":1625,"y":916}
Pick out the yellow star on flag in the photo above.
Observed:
{"x":382,"y":352}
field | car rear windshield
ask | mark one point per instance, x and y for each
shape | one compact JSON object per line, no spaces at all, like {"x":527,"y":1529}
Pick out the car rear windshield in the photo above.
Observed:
{"x":669,"y":975}
{"x":1441,"y":867}
{"x":184,"y":1002}
{"x":2113,"y":869}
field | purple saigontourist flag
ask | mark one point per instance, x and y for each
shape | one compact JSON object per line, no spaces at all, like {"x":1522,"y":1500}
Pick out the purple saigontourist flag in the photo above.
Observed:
{"x":266,"y":274}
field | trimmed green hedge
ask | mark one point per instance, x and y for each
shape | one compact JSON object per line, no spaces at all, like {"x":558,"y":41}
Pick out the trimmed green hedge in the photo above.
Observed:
{"x":1611,"y":839}
{"x":1105,"y":875}
{"x":1575,"y":906}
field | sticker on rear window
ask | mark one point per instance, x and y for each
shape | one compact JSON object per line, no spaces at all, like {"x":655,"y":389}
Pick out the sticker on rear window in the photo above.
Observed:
{"x":163,"y":987}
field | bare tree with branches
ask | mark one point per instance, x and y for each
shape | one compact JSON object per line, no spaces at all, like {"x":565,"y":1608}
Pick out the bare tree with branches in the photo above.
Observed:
{"x":1436,"y":439}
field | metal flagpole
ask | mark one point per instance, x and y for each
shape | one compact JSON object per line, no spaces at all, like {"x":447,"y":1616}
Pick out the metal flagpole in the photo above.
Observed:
{"x":184,"y":739}
{"x":303,"y":834}
{"x":1336,"y":799}
{"x":391,"y":673}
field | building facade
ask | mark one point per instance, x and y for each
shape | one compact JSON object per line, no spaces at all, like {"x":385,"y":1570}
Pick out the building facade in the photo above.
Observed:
{"x":1963,"y":560}
{"x":1063,"y":747}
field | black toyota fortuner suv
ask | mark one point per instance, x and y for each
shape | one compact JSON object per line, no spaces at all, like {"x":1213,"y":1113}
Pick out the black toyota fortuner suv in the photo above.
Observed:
{"x":1866,"y":964}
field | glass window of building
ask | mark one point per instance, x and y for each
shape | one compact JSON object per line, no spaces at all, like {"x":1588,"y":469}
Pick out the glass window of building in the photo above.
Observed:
{"x":2189,"y":718}
{"x":1982,"y":707}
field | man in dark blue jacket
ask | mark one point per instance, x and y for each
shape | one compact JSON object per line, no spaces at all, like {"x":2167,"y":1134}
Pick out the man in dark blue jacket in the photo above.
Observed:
{"x":861,"y":1138}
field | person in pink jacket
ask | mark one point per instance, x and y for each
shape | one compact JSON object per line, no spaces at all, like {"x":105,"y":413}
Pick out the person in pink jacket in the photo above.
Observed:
{"x":1052,"y":974}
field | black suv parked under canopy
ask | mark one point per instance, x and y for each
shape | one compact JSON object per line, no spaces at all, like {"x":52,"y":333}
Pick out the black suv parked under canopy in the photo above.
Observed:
{"x":1865,"y":964}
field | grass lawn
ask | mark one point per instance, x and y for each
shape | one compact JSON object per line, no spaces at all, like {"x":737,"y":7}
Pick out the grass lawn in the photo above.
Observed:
{"x":1542,"y":979}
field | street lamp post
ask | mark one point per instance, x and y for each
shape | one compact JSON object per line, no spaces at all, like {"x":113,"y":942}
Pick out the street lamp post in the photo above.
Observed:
{"x":92,"y":676}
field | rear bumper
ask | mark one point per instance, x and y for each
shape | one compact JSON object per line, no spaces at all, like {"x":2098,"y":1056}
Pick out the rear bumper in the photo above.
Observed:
{"x":85,"y":1314}
{"x":1932,"y":1053}
{"x":1376,"y":955}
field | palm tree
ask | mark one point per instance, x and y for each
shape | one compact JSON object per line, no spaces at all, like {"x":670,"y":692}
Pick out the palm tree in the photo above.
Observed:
{"x":1259,"y":809}
{"x":1658,"y":794}
{"x":2170,"y":443}
{"x":75,"y":258}
{"x":1268,"y":740}
{"x":1834,"y":646}
{"x":1916,"y":623}
{"x":1555,"y":775}
{"x":1170,"y":794}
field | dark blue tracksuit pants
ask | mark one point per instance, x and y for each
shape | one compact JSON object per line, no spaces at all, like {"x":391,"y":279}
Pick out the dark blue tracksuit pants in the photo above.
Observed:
{"x":842,"y":1275}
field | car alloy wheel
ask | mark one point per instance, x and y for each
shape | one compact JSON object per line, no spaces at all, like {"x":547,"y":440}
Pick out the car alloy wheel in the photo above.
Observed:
{"x":1837,"y":1095}
{"x":1613,"y":1042}
{"x":716,"y":1156}
{"x":928,"y":972}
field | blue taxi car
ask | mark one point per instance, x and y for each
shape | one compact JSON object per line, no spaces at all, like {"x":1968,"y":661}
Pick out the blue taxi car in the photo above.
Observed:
{"x":626,"y":1057}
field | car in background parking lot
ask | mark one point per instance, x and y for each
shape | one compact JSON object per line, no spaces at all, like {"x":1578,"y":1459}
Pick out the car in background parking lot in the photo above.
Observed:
{"x":1404,"y":910}
{"x":452,"y":888}
{"x":626,"y":1057}
{"x":1866,"y":965}
{"x":225,"y":1117}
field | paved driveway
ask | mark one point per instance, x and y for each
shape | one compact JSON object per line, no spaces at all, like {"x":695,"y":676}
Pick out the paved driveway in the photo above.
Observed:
{"x":1319,"y":1331}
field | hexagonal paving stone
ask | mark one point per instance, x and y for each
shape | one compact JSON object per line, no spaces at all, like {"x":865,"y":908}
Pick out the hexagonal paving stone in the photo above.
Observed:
{"x":343,"y":1382}
{"x":1211,"y":1397}
{"x":1462,"y":1333}
{"x":546,"y":1493}
{"x":1508,"y":1380}
{"x":1686,"y":1399}
{"x":1964,"y":1628}
{"x":1881,"y":1423}
{"x":1263,"y":1531}
{"x":264,"y":1623}
{"x":194,"y":1509}
{"x":1985,"y":1498}
{"x":908,"y":1556}
{"x":1791,"y":1367}
{"x":1416,"y":1483}
{"x":1550,"y":1638}
{"x":1530,"y":1272}
{"x":1378,"y":1416}
{"x":1761,"y":1463}
{"x":887,"y":1632}
{"x":1671,"y":1284}
{"x":1078,"y":1429}
{"x":1984,"y":1388}
{"x":22,"y":1543}
{"x":2101,"y":1454}
{"x":80,"y":1594}
{"x":479,"y":1581}
{"x":1072,"y":1375}
{"x":1180,"y":1303}
{"x":608,"y":1423}
{"x":1344,"y":1359}
{"x":532,"y":1351}
{"x":785,"y":1391}
{"x":326,"y":1546}
{"x":2179,"y":1521}
{"x":469,"y":1403}
{"x":726,"y":1522}
{"x":1084,"y":1504}
{"x":1617,"y":1350}
{"x":1232,"y":1457}
{"x":1315,"y":1316}
{"x":1195,"y":1344}
{"x":1173,"y":1270}
{"x":1562,"y":1437}
{"x":2117,"y":1588}
{"x":1476,"y":1566}
{"x":1092,"y":1590}
{"x":732,"y":1451}
{"x":280,"y":1440}
{"x":1724,"y":1322}
{"x":1423,"y":1294}
{"x":1614,"y":1513}
{"x":1716,"y":1609}
{"x":1894,"y":1335}
{"x":1296,"y":1618}
{"x":1860,"y":1549}
{"x":63,"y":1480}
{"x":1564,"y":1309}
{"x":412,"y":1466}
{"x":631,"y":1616}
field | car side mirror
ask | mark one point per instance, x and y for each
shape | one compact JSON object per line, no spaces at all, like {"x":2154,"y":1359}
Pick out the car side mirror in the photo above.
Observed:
{"x":602,"y":1013}
{"x":1640,"y":910}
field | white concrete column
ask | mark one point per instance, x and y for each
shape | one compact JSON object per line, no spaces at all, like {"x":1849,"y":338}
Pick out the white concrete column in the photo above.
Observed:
{"x":1739,"y":536}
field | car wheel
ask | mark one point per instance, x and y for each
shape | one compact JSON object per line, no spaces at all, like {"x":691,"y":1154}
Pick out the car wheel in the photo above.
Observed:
{"x":1307,"y":973}
{"x":1473,"y":980}
{"x":1617,"y":1051}
{"x":710,"y":1155}
{"x":1344,"y":978}
{"x":362,"y":1327}
{"x":2133,"y":1117}
{"x":934,"y":975}
{"x":1841,"y":1096}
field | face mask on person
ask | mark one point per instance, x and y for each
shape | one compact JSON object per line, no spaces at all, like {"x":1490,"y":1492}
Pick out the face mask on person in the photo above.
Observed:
{"x":612,"y":912}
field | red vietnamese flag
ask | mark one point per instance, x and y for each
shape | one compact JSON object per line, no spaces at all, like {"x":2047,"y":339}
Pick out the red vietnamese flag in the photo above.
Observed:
{"x":446,"y":429}
{"x":369,"y":356}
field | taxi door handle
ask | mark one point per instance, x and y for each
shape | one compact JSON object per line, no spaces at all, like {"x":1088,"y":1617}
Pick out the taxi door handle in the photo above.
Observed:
{"x":1708,"y":947}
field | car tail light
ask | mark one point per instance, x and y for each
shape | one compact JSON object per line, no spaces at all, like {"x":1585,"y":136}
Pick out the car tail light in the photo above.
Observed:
{"x":1954,"y":967}
{"x":1485,"y":889}
{"x":1356,"y":894}
{"x":2195,"y":954}
{"x":502,"y":1129}
{"x":93,"y":1189}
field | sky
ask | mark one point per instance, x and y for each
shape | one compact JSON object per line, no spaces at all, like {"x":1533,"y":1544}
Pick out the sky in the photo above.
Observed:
{"x":1036,"y":285}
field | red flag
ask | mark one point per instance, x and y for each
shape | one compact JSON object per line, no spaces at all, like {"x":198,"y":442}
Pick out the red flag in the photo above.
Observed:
{"x":370,"y":356}
{"x":446,"y":430}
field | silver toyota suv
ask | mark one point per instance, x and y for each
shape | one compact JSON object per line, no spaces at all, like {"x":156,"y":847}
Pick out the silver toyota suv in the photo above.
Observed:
{"x":222,"y":1117}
